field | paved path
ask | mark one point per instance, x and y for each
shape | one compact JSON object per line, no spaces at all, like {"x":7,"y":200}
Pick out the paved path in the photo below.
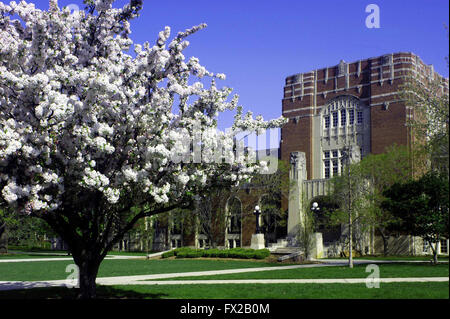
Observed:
{"x":288,"y":281}
{"x":17,"y":260}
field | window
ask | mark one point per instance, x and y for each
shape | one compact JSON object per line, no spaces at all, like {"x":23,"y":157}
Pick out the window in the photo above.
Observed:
{"x":360,"y":117}
{"x":335,"y":167}
{"x":351,"y":117}
{"x":343,"y":117}
{"x":327,"y":121}
{"x":335,"y":119}
{"x":331,"y":163}
{"x":444,"y":247}
{"x":327,"y":169}
{"x":425,"y":247}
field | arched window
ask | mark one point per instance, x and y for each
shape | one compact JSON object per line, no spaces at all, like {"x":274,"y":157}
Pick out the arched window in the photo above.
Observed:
{"x":345,"y":121}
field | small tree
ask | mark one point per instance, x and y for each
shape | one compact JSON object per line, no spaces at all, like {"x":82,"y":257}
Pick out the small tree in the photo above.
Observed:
{"x":305,"y":235}
{"x":421,"y":207}
{"x":348,"y":189}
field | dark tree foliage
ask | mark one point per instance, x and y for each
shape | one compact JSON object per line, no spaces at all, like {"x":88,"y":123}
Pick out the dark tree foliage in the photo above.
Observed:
{"x":421,"y":207}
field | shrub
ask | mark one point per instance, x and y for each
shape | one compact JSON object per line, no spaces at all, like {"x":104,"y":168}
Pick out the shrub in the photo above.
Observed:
{"x":168,"y":254}
{"x":239,"y":253}
{"x":190,"y":253}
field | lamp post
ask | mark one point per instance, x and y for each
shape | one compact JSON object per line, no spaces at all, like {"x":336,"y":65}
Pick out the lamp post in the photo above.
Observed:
{"x":315,"y":207}
{"x":257,"y":213}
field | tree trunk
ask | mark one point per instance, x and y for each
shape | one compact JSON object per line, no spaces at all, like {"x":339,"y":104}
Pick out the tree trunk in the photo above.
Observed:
{"x":88,"y":267}
{"x":385,"y":242}
{"x":435,"y":251}
{"x":3,"y":239}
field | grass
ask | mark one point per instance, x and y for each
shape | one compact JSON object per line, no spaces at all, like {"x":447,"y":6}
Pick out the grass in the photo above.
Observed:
{"x":50,"y":270}
{"x":430,"y":290}
{"x":400,"y":270}
{"x":53,"y":270}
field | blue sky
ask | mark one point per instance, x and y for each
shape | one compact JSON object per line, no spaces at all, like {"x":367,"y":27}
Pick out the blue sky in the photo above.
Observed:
{"x":258,"y":43}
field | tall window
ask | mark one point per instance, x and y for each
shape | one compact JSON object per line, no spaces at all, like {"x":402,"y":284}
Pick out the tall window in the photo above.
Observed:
{"x":335,"y":119}
{"x":326,"y":163}
{"x":346,"y":115}
{"x":343,"y":117}
{"x":360,"y":117}
{"x":444,"y":247}
{"x":327,"y":168}
{"x":351,"y":117}
{"x":331,"y":163}
{"x":335,"y":167}
{"x":327,"y":121}
{"x":425,"y":246}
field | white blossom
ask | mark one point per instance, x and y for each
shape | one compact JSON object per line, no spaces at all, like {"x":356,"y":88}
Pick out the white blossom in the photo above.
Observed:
{"x":80,"y":116}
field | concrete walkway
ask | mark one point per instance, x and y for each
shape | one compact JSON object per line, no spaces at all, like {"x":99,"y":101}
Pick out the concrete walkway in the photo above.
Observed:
{"x":50,"y":258}
{"x":288,"y":281}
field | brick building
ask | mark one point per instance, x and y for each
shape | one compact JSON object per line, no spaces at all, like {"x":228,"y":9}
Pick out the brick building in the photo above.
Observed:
{"x":354,"y":103}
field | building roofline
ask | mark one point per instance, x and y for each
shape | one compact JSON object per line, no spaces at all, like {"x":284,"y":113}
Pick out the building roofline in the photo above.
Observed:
{"x":361,"y":60}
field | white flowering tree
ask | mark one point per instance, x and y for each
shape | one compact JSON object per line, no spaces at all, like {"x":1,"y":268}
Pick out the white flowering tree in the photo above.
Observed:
{"x":92,"y":138}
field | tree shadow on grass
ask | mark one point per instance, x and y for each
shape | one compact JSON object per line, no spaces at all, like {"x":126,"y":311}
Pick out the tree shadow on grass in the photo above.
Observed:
{"x":103,"y":292}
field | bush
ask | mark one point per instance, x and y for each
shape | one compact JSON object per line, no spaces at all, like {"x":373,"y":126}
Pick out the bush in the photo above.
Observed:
{"x":239,"y":253}
{"x":168,"y":254}
{"x":191,"y":253}
{"x":175,"y":252}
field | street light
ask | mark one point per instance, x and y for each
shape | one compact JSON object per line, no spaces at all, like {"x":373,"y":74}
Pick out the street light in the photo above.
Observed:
{"x":315,"y":207}
{"x":257,"y":213}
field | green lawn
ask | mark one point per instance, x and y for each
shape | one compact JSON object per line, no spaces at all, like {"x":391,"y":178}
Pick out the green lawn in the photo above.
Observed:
{"x":359,"y":271}
{"x":53,"y":270}
{"x":249,"y":291}
{"x":50,"y":270}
